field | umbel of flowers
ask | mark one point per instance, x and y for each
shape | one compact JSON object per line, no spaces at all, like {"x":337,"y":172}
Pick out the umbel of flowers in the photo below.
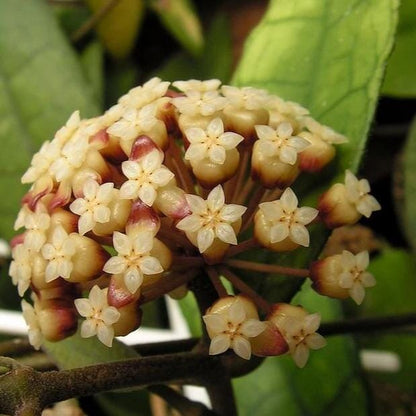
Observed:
{"x":172,"y":183}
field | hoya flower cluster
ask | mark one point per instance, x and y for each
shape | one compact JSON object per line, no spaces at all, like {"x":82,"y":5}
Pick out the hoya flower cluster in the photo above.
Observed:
{"x":134,"y":204}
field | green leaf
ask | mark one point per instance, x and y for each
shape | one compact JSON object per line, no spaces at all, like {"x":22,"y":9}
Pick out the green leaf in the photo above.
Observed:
{"x":214,"y":62}
{"x":119,"y":27}
{"x":400,"y":80}
{"x":41,"y":84}
{"x":330,"y":383}
{"x":75,"y":352}
{"x":408,"y":205}
{"x":328,"y":56}
{"x":181,"y":20}
{"x":92,"y":61}
{"x":395,"y":271}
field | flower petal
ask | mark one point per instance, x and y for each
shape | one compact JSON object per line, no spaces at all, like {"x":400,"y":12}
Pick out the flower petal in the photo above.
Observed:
{"x":205,"y":238}
{"x":226,"y":233}
{"x":216,"y":199}
{"x":299,"y":234}
{"x":219,"y":344}
{"x":215,"y":322}
{"x":88,"y":328}
{"x":241,"y":347}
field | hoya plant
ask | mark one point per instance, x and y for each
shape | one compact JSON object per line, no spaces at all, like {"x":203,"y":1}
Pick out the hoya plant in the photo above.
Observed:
{"x":130,"y":178}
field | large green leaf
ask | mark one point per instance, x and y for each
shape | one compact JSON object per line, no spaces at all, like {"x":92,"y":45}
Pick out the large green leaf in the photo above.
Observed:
{"x":327,"y":55}
{"x":400,"y":78}
{"x":328,"y":385}
{"x":41,"y":84}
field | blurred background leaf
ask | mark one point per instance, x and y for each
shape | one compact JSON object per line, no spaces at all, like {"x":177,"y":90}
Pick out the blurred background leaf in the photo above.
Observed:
{"x":119,"y":27}
{"x":182,"y":22}
{"x":407,"y":207}
{"x":400,"y":80}
{"x":214,"y":62}
{"x":41,"y":84}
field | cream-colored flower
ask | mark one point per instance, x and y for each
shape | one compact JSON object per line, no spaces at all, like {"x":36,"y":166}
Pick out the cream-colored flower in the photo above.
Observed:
{"x":36,"y":223}
{"x":280,"y":142}
{"x":245,"y":98}
{"x":32,"y":321}
{"x":197,"y":103}
{"x":211,"y":143}
{"x":211,"y":218}
{"x":149,"y":92}
{"x":72,"y":157}
{"x":66,"y":132}
{"x":93,"y":207}
{"x":145,"y":176}
{"x":42,"y":161}
{"x":134,"y":260}
{"x":134,"y":122}
{"x":230,"y":328}
{"x":287,"y":220}
{"x":358,"y":193}
{"x":21,"y":268}
{"x":59,"y":252}
{"x":300,"y":334}
{"x":197,"y":85}
{"x":324,"y":132}
{"x":99,"y":316}
{"x":354,"y":276}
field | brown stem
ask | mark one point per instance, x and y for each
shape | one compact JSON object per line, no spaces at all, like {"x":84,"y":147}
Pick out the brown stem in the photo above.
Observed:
{"x":179,"y":402}
{"x":267,"y":268}
{"x":181,"y":262}
{"x":379,"y":323}
{"x":252,"y":206}
{"x":242,"y":197}
{"x":93,"y":20}
{"x":166,"y":284}
{"x":15,"y":347}
{"x":243,"y":287}
{"x":241,"y":247}
{"x":174,"y":236}
{"x":182,"y":171}
{"x":216,"y":282}
{"x":235,"y":184}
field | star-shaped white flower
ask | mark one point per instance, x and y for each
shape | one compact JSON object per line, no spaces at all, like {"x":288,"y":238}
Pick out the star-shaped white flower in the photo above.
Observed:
{"x":21,"y":268}
{"x":73,"y":155}
{"x":358,"y":194}
{"x":134,"y":260}
{"x":99,"y":316}
{"x":280,"y":142}
{"x":66,"y":132}
{"x":354,"y":276}
{"x":245,"y":98}
{"x":36,"y":223}
{"x":59,"y":252}
{"x":211,"y":143}
{"x":230,"y":328}
{"x":145,"y":176}
{"x":324,"y":132}
{"x":197,"y":85}
{"x":287,"y":220}
{"x":134,"y":122}
{"x":42,"y":161}
{"x":200,"y":103}
{"x":149,"y":92}
{"x":211,"y":218}
{"x":94,"y":206}
{"x":300,"y":334}
{"x":32,"y":321}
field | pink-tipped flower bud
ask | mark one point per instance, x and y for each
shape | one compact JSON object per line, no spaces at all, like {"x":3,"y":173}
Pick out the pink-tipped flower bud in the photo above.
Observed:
{"x":269,"y":343}
{"x":342,"y":276}
{"x":280,"y":225}
{"x":231,"y":322}
{"x":345,"y":203}
{"x":299,"y":330}
{"x":118,"y":293}
{"x":171,"y":202}
{"x":130,"y":319}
